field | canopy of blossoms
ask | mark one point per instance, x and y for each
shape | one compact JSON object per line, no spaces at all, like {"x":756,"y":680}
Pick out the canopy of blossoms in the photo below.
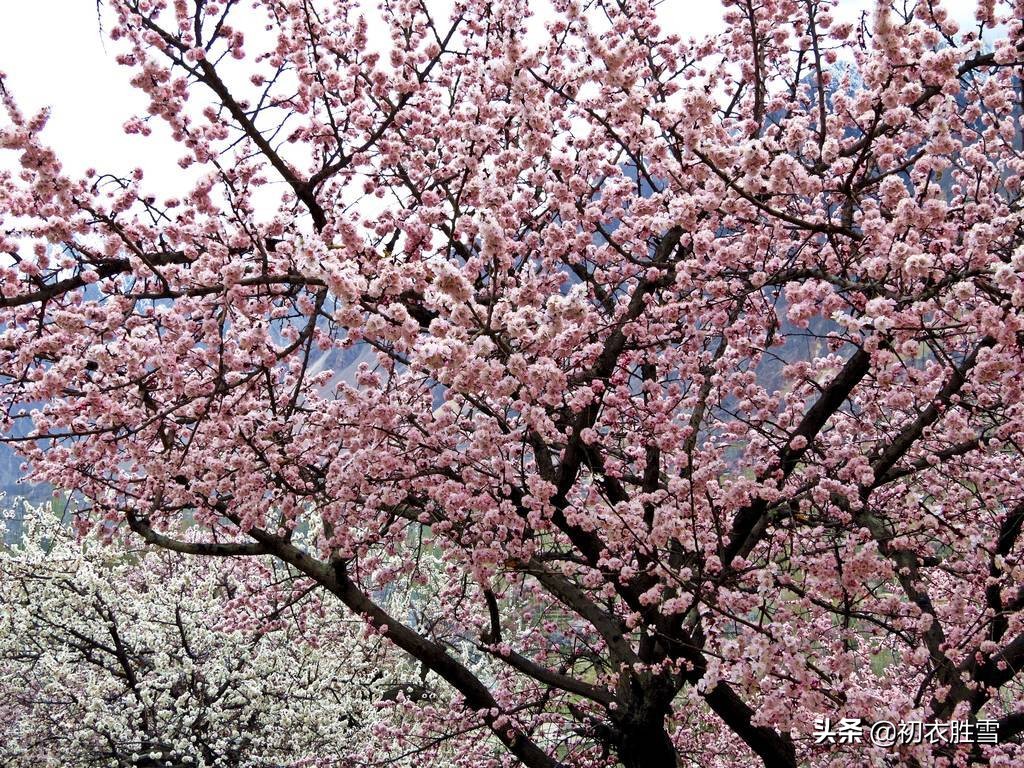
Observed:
{"x":696,"y":363}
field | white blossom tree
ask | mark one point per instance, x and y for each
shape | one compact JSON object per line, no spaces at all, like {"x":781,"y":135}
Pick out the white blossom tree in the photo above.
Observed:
{"x":114,"y":656}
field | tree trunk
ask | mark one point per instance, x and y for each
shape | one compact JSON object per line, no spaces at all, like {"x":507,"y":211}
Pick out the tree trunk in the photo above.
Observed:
{"x":647,"y":745}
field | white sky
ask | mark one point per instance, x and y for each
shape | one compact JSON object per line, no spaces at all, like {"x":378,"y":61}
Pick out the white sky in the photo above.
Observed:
{"x":54,"y":54}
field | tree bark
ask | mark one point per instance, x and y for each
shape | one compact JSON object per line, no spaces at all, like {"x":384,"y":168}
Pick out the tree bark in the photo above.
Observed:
{"x":647,"y":745}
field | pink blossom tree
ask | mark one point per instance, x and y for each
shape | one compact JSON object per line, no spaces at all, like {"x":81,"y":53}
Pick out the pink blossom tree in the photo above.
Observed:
{"x":697,"y":362}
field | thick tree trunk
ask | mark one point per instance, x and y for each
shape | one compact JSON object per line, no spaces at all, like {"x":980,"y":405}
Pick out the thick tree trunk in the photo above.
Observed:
{"x":647,"y":745}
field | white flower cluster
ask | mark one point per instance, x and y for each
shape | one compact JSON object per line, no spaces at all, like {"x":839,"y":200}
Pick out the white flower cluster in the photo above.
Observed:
{"x":111,"y":656}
